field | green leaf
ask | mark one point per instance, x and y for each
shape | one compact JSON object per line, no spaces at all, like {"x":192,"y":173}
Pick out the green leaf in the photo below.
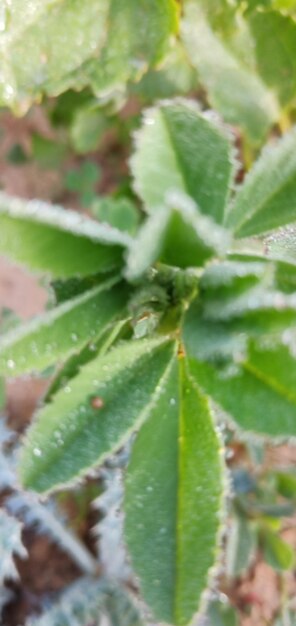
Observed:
{"x":69,"y":288}
{"x":49,"y":46}
{"x":48,"y":153}
{"x":34,"y":54}
{"x":138,"y":35}
{"x":285,"y":276}
{"x":53,"y":240}
{"x":179,"y":149}
{"x":173,"y":500}
{"x":176,"y":235}
{"x":267,"y":198}
{"x":258,"y":393}
{"x":280,"y":246}
{"x":57,"y":334}
{"x":275,"y":46}
{"x":241,"y":546}
{"x":121,"y":213}
{"x":99,"y":345}
{"x":221,"y":614}
{"x":226,"y":312}
{"x":88,"y":127}
{"x":286,"y":484}
{"x":10,"y":545}
{"x":176,"y":76}
{"x":17,"y":155}
{"x":93,"y":415}
{"x":207,"y":339}
{"x":230,"y":279}
{"x":257,"y":311}
{"x":232,"y":87}
{"x":277,"y":553}
{"x":277,"y":363}
{"x":83,"y":181}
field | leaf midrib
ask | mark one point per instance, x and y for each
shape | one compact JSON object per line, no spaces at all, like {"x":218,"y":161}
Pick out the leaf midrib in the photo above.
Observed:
{"x":269,"y":382}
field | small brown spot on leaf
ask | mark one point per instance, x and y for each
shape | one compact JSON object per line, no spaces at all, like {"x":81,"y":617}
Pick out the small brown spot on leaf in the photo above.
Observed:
{"x":97,"y":403}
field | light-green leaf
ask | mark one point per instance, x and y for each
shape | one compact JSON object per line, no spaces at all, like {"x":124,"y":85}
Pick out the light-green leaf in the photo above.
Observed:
{"x":179,"y":149}
{"x":43,"y":42}
{"x":267,"y":198}
{"x":277,"y":552}
{"x":57,"y":334}
{"x":94,"y":414}
{"x":173,"y":500}
{"x":233,"y":89}
{"x":275,"y":45}
{"x":50,"y":239}
{"x":138,"y":35}
{"x":48,"y":46}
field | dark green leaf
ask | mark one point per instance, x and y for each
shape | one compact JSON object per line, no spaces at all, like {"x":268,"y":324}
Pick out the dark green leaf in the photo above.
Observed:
{"x":93,"y":415}
{"x":57,"y":334}
{"x":17,"y":155}
{"x":286,"y":484}
{"x":258,"y":393}
{"x":173,"y":500}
